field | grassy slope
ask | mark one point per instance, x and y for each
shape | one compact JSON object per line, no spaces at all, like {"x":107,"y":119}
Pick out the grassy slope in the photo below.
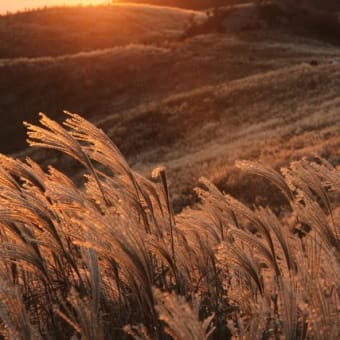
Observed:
{"x":196,"y":105}
{"x":265,"y":102}
{"x":58,"y":31}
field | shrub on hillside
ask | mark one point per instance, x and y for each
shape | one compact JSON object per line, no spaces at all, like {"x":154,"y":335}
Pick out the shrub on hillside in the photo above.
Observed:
{"x":110,"y":258}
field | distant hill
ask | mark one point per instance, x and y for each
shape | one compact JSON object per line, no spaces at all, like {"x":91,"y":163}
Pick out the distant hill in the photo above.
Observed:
{"x":67,"y":30}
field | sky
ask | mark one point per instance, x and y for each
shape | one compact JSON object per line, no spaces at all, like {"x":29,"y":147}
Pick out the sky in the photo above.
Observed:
{"x":15,"y":5}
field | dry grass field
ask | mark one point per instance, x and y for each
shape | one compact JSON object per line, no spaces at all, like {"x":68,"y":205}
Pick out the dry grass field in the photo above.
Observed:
{"x":222,"y":218}
{"x":195,"y":105}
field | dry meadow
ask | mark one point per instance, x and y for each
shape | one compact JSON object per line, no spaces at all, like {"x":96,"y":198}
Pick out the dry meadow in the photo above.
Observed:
{"x":196,"y":195}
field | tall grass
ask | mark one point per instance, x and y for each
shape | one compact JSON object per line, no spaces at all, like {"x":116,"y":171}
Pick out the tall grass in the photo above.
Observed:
{"x":111,"y":260}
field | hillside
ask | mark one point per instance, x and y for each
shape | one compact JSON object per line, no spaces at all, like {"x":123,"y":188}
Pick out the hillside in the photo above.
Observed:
{"x":252,"y":108}
{"x":195,"y":105}
{"x":59,"y":31}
